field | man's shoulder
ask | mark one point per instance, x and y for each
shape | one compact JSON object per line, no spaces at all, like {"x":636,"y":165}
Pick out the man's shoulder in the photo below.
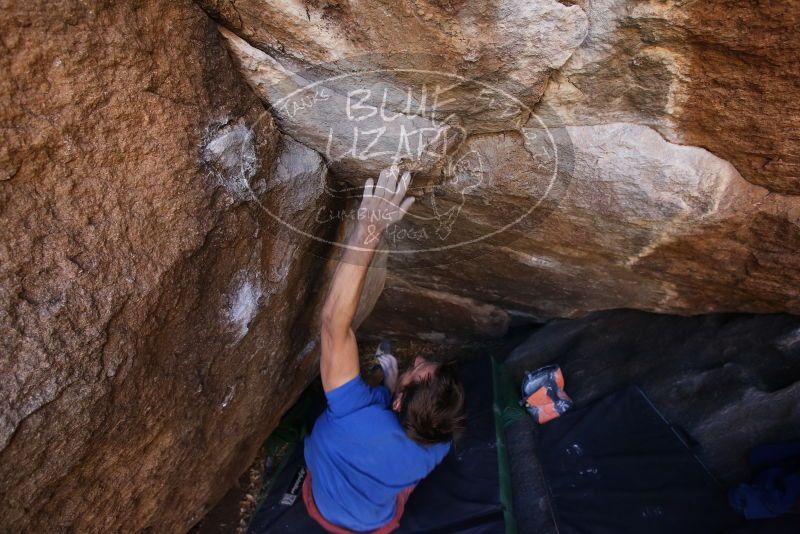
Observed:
{"x":368,"y":423}
{"x":354,"y":396}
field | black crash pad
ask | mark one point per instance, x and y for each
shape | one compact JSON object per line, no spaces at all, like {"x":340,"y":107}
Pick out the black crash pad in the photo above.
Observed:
{"x":617,"y":466}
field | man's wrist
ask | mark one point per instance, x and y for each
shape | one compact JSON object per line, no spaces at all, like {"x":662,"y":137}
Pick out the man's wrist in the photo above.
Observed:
{"x":367,"y":235}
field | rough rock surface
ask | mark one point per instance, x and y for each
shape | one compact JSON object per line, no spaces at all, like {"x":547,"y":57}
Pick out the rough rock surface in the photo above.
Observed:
{"x":513,"y":44}
{"x":408,"y":311}
{"x":154,"y":320}
{"x":641,"y":222}
{"x":608,"y":153}
{"x":691,"y":71}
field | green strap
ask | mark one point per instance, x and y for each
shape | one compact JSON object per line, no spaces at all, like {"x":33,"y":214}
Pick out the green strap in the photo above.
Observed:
{"x":506,"y":411}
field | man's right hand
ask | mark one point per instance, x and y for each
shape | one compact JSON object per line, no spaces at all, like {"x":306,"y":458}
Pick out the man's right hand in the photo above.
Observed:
{"x":383,"y":203}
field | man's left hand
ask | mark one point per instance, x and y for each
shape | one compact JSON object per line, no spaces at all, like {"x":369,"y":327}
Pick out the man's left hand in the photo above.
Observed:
{"x":389,"y":365}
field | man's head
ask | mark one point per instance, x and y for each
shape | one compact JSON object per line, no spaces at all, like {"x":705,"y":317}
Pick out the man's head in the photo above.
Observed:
{"x":430,"y":402}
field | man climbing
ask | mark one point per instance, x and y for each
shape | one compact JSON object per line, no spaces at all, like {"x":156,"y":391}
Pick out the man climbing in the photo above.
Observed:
{"x":371,"y":446}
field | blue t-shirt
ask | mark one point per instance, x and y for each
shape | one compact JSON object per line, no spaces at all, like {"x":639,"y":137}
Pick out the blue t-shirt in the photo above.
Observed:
{"x":360,"y":458}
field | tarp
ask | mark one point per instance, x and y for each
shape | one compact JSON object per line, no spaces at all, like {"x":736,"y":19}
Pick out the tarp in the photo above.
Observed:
{"x":617,"y":466}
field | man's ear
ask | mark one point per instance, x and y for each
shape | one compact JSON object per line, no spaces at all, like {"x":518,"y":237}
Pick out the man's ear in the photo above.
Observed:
{"x":396,"y":402}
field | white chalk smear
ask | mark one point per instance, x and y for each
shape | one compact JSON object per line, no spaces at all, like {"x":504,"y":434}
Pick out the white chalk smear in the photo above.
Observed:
{"x":231,"y":154}
{"x":244,"y":307}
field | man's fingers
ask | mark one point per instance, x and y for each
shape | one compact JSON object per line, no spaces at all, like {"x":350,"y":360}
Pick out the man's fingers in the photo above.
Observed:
{"x":387,"y":174}
{"x":406,"y":205}
{"x":368,"y":190}
{"x":402,"y":187}
{"x":380,"y":187}
{"x":391,"y":182}
{"x":387,"y":362}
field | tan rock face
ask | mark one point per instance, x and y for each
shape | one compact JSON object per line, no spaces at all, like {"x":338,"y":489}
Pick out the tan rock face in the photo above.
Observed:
{"x":363,"y":83}
{"x":720,"y":75}
{"x":741,"y":102}
{"x":407,"y":310}
{"x":511,"y":43}
{"x":649,"y":163}
{"x":155,"y":321}
{"x":659,"y":226}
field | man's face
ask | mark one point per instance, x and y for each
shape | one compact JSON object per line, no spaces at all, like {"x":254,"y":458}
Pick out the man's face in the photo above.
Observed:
{"x":421,"y":370}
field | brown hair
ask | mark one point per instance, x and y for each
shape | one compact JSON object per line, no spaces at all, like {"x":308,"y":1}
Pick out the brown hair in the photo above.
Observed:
{"x":432,"y":409}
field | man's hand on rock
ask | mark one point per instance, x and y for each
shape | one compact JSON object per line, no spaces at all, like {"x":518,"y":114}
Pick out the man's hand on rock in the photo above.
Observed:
{"x":383,"y":204}
{"x":388,"y":364}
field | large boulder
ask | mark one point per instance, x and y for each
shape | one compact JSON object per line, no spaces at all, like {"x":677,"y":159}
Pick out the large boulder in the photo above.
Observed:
{"x":156,"y":310}
{"x":167,"y":239}
{"x":609,"y":153}
{"x":405,"y":310}
{"x":640,"y":223}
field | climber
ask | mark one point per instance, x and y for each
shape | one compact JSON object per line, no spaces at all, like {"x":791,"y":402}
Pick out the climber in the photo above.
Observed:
{"x":371,"y":446}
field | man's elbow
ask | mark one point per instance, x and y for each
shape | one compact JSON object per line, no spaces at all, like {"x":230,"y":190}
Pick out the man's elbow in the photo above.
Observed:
{"x":332,"y":327}
{"x":327,"y":323}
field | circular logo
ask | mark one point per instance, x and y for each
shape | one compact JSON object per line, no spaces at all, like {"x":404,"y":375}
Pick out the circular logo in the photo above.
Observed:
{"x":485,"y":166}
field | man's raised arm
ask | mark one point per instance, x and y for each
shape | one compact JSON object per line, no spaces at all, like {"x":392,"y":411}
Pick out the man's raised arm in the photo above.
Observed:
{"x":383,"y":203}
